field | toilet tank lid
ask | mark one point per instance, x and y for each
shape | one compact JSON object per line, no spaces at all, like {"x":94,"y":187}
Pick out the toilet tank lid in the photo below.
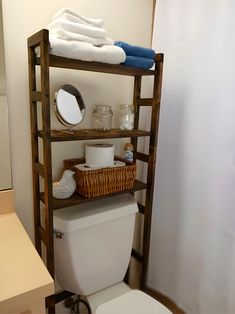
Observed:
{"x":85,"y":215}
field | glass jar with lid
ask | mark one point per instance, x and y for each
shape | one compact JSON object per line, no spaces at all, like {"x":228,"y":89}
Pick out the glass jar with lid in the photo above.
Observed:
{"x":102,"y":117}
{"x":126,"y":117}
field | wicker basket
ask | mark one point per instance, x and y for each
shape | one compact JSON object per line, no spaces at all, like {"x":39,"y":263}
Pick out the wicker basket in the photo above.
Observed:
{"x":103,"y":181}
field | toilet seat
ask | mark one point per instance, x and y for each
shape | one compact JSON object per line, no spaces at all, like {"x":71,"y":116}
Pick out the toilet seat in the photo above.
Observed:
{"x":132,"y":302}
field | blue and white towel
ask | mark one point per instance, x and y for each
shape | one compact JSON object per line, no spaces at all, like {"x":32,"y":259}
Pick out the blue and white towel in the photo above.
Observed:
{"x":139,"y":62}
{"x":136,"y":51}
{"x":136,"y":56}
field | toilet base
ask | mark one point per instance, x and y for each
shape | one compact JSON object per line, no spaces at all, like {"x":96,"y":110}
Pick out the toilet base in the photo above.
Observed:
{"x":106,"y":295}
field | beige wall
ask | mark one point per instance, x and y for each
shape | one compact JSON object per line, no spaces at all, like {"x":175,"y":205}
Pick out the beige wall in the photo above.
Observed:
{"x":2,"y":65}
{"x":5,"y":167}
{"x":128,"y":20}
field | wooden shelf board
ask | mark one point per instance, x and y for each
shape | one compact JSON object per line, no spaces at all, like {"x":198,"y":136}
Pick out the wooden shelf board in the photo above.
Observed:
{"x":77,"y":199}
{"x":66,"y":63}
{"x":90,"y":134}
{"x":74,"y":64}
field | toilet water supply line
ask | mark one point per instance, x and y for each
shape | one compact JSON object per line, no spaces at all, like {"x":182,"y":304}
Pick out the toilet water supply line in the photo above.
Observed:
{"x":75,"y":305}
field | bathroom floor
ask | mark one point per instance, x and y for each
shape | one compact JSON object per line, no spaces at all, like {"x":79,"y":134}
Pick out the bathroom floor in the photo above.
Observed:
{"x":61,"y":309}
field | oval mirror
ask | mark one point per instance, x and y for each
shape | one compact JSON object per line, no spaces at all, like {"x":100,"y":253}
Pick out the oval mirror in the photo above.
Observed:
{"x":70,"y":108}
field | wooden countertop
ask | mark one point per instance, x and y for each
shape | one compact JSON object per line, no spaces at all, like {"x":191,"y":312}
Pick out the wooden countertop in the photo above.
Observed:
{"x":21,"y":269}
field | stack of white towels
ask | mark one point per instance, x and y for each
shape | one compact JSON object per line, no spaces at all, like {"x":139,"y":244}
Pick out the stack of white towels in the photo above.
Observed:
{"x":75,"y":36}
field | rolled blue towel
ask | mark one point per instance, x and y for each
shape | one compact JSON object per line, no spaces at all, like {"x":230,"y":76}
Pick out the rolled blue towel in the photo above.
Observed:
{"x":136,"y":51}
{"x":138,"y":62}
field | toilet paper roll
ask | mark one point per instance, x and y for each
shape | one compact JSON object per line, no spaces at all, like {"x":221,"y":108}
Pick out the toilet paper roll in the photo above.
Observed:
{"x":99,"y":155}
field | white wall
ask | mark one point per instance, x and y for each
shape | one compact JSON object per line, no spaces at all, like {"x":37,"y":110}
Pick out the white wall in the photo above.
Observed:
{"x":128,"y":20}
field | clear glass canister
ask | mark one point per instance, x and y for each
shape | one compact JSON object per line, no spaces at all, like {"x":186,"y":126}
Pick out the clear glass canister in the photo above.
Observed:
{"x":126,"y":117}
{"x":102,"y":117}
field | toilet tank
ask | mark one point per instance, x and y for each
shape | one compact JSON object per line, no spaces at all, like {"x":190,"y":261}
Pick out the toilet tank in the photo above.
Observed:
{"x":93,"y":243}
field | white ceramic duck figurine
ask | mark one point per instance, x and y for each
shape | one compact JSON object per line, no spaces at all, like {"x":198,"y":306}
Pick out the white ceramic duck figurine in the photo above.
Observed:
{"x":66,"y":186}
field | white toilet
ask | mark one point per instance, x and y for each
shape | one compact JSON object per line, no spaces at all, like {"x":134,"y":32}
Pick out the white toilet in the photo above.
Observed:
{"x":93,"y":243}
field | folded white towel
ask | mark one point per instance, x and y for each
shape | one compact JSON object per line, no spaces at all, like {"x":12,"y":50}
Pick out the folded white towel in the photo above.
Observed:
{"x":83,"y":29}
{"x":94,"y":22}
{"x":62,"y":34}
{"x":75,"y":19}
{"x":86,"y":51}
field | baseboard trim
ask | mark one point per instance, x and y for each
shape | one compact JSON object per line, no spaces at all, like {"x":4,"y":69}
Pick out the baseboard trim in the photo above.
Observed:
{"x":164,"y":300}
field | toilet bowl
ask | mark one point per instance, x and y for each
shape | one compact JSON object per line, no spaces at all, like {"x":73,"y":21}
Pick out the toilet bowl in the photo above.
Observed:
{"x":93,"y":243}
{"x":132,"y":302}
{"x":121,"y":299}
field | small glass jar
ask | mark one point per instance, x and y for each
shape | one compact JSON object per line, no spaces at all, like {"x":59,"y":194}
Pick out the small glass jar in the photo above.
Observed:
{"x":102,"y":117}
{"x":126,"y":117}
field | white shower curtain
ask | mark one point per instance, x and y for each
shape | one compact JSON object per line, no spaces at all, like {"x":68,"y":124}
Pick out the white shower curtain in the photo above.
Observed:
{"x":192,"y":249}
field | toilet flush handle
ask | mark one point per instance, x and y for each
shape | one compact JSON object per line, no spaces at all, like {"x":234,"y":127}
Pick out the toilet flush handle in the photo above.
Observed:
{"x":58,"y":234}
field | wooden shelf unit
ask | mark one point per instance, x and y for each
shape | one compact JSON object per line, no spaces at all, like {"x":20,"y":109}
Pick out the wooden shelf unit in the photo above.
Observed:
{"x":44,"y":231}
